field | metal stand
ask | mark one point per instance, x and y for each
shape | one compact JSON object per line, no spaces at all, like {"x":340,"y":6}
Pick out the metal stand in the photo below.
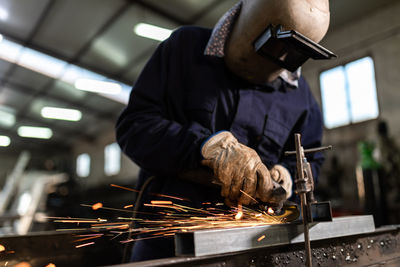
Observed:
{"x":305,"y":189}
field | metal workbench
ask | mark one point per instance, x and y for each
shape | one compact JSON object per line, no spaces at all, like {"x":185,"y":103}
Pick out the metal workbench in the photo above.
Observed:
{"x":362,"y":248}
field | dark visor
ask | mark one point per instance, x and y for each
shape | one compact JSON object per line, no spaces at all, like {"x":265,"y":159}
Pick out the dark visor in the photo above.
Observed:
{"x":288,"y":49}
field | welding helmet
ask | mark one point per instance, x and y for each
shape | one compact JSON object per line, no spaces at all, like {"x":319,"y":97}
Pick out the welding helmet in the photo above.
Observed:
{"x":270,"y":36}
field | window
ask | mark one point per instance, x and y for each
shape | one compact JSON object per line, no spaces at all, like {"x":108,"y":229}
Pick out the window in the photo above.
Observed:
{"x":112,"y":159}
{"x":83,"y":165}
{"x":349,"y":93}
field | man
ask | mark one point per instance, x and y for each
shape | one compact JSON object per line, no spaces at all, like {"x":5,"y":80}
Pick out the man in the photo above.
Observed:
{"x":210,"y":118}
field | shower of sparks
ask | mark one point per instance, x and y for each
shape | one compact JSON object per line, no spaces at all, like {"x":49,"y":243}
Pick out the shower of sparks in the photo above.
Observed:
{"x":171,"y":219}
{"x":167,"y":219}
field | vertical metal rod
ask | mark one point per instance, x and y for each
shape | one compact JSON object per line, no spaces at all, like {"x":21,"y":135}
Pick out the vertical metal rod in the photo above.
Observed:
{"x":300,"y":186}
{"x":307,"y":244}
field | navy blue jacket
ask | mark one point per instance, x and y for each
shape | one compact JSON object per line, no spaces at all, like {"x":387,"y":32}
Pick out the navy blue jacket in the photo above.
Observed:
{"x":183,"y":96}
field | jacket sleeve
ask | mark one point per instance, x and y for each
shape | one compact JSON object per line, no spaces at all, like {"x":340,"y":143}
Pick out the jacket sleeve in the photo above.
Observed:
{"x":146,"y":130}
{"x":310,"y":127}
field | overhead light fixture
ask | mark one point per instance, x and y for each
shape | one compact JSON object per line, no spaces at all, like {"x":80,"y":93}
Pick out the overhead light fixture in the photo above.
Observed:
{"x":98,"y":86}
{"x":7,"y":117}
{"x":1,"y":37}
{"x":40,"y":62}
{"x":4,"y":140}
{"x":35,"y":132}
{"x":151,"y":31}
{"x":61,"y":114}
{"x":59,"y":69}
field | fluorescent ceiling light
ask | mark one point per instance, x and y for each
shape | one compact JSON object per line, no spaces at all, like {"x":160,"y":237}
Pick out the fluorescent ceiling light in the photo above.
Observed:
{"x":7,"y":117}
{"x":98,"y":86}
{"x":61,"y":114}
{"x":9,"y":50}
{"x":152,"y":32}
{"x":4,"y":140}
{"x":59,"y":69}
{"x":1,"y":37}
{"x":39,"y":62}
{"x":73,"y":73}
{"x":35,"y":132}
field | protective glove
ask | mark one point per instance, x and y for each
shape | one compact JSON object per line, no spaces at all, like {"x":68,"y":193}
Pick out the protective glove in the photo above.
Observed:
{"x":238,"y":167}
{"x":282,"y":176}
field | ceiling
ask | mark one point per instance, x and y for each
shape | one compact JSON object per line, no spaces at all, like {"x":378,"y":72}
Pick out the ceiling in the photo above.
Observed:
{"x":97,"y":35}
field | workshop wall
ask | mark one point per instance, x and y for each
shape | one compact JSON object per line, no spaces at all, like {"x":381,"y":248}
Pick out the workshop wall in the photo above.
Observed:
{"x":377,"y":35}
{"x":97,"y":177}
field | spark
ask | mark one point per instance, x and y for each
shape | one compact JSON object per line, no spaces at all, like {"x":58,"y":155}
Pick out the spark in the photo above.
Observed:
{"x":105,"y":208}
{"x":84,"y":245}
{"x":87,"y":238}
{"x":239,"y":214}
{"x":90,"y":235}
{"x":270,"y":211}
{"x":167,"y":196}
{"x":128,"y":206}
{"x":164,"y":206}
{"x":22,"y":264}
{"x":77,"y":221}
{"x":74,"y":229}
{"x":125,"y":188}
{"x":247,"y":195}
{"x":97,"y":206}
{"x":154,"y":194}
{"x":261,"y":238}
{"x":70,"y":218}
{"x":161,"y":202}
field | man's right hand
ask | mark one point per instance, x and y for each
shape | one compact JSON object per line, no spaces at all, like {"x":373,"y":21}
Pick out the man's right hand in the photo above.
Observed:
{"x":238,"y":167}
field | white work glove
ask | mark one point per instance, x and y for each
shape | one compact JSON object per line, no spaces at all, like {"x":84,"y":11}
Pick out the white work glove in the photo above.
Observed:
{"x":282,"y":176}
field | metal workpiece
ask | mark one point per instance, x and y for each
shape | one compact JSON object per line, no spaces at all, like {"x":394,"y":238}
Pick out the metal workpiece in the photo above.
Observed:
{"x":57,"y":247}
{"x":218,"y":241}
{"x":378,"y":248}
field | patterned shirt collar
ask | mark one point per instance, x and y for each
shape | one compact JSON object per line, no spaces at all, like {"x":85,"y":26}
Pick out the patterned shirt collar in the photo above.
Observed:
{"x":216,"y":43}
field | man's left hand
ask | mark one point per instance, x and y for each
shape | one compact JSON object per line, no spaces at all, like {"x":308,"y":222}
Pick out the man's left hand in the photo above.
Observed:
{"x":282,"y":176}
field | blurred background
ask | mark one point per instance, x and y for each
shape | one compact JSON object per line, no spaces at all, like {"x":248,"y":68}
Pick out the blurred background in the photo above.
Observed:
{"x":67,"y":68}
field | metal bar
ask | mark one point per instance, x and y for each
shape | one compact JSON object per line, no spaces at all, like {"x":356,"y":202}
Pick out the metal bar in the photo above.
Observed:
{"x":301,"y":190}
{"x":217,"y":241}
{"x":381,"y":247}
{"x":310,"y":150}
